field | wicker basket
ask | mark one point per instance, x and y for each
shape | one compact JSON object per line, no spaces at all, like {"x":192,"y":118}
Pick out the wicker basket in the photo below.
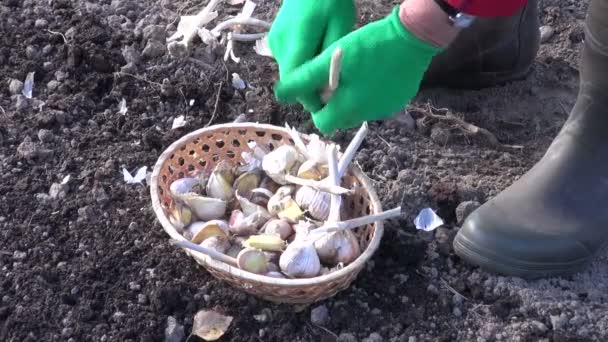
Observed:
{"x":201,"y":150}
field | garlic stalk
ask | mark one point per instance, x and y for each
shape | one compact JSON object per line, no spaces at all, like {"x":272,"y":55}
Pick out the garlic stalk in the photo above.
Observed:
{"x":207,"y":251}
{"x":330,"y":227}
{"x":351,"y":149}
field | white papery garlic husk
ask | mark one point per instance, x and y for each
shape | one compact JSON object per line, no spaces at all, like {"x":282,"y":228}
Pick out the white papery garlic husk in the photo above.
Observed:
{"x":217,"y":243}
{"x":280,"y":162}
{"x":220,"y":182}
{"x":205,"y":208}
{"x":316,"y":202}
{"x":338,"y":247}
{"x":300,"y":260}
{"x":278,"y":226}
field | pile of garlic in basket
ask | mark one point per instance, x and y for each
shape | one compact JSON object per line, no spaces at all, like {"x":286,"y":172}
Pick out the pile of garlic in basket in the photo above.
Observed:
{"x":278,"y":214}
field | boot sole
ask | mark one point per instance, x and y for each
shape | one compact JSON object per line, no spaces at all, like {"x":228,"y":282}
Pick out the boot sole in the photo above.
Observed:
{"x":489,"y":261}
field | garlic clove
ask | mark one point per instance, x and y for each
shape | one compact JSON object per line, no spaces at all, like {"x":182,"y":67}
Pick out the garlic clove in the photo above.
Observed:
{"x":300,"y":260}
{"x":200,"y":231}
{"x":250,"y":208}
{"x":316,"y":202}
{"x":180,"y":216}
{"x":239,"y":224}
{"x":205,"y":208}
{"x":310,"y":169}
{"x":220,"y":182}
{"x":279,"y":162}
{"x":184,"y":185}
{"x":338,"y":247}
{"x":246,"y":182}
{"x":278,"y":226}
{"x":270,"y":185}
{"x":218,"y":243}
{"x":260,"y":196}
{"x":265,"y":242}
{"x":273,"y":274}
{"x":275,"y":202}
{"x":291,"y":211}
{"x":252,"y":260}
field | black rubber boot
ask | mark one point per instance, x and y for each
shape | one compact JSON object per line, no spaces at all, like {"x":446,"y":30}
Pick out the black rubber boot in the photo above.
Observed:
{"x":554,"y":219}
{"x":490,"y":52}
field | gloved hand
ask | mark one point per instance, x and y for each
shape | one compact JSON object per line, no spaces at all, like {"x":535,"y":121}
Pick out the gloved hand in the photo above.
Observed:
{"x":304,"y":28}
{"x":382,"y":68}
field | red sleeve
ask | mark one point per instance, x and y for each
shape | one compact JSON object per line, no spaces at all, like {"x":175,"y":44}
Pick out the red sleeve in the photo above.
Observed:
{"x":488,"y":8}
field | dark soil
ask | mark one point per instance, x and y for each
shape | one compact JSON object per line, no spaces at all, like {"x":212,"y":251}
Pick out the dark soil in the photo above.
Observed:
{"x":93,"y":264}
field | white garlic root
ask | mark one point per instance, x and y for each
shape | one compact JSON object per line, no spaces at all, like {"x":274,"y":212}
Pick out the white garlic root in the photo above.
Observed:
{"x":216,"y":31}
{"x":207,"y":251}
{"x":334,"y":75}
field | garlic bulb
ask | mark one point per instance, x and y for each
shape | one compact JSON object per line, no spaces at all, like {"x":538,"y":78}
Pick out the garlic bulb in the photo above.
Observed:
{"x":280,"y":162}
{"x":338,"y":247}
{"x":217,"y":243}
{"x":205,"y":208}
{"x":316,"y":202}
{"x":220,"y":182}
{"x":300,"y":260}
{"x":280,"y":227}
{"x":252,"y":260}
{"x":275,"y":202}
{"x":200,"y":231}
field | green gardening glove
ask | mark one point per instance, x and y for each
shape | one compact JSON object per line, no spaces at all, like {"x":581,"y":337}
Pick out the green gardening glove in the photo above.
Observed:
{"x":304,"y":28}
{"x":382,"y":68}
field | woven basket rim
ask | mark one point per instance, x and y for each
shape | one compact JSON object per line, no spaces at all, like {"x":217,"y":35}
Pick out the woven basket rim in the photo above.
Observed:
{"x":237,"y":272}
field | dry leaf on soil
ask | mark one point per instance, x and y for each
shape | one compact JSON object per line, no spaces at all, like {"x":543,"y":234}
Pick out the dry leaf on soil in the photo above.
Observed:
{"x":210,"y":325}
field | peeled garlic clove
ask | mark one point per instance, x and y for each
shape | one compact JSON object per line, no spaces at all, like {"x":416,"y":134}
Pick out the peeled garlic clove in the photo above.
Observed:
{"x":240,"y":224}
{"x":279,"y":227}
{"x":275,"y":202}
{"x":310,"y":169}
{"x":265,"y":242}
{"x":338,"y":247}
{"x":217,"y":243}
{"x":246,"y":182}
{"x":291,"y":211}
{"x":250,"y":208}
{"x":316,"y":202}
{"x":205,"y":208}
{"x":280,"y":162}
{"x":252,"y":260}
{"x":300,"y":260}
{"x":183,"y":186}
{"x":200,"y":231}
{"x":181,"y":216}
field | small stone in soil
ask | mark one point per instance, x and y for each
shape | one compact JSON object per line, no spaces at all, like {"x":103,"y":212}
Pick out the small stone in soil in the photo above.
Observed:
{"x":142,"y":298}
{"x":319,"y":315}
{"x":154,"y":32}
{"x":373,"y":337}
{"x":541,"y":327}
{"x":52,"y":85}
{"x":15,"y":87}
{"x":32,"y":52}
{"x":21,"y":103}
{"x":457,"y":312}
{"x":133,"y":286}
{"x":28,"y":149}
{"x":558,"y":321}
{"x":174,"y":332}
{"x":58,"y":191}
{"x":45,"y":135}
{"x":130,"y":54}
{"x":41,"y":23}
{"x":19,"y":255}
{"x":154,"y":49}
{"x":546,"y":32}
{"x":464,"y":209}
{"x":346,"y":337}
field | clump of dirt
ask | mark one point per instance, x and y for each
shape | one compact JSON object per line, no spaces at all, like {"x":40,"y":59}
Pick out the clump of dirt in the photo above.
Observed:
{"x":90,"y":262}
